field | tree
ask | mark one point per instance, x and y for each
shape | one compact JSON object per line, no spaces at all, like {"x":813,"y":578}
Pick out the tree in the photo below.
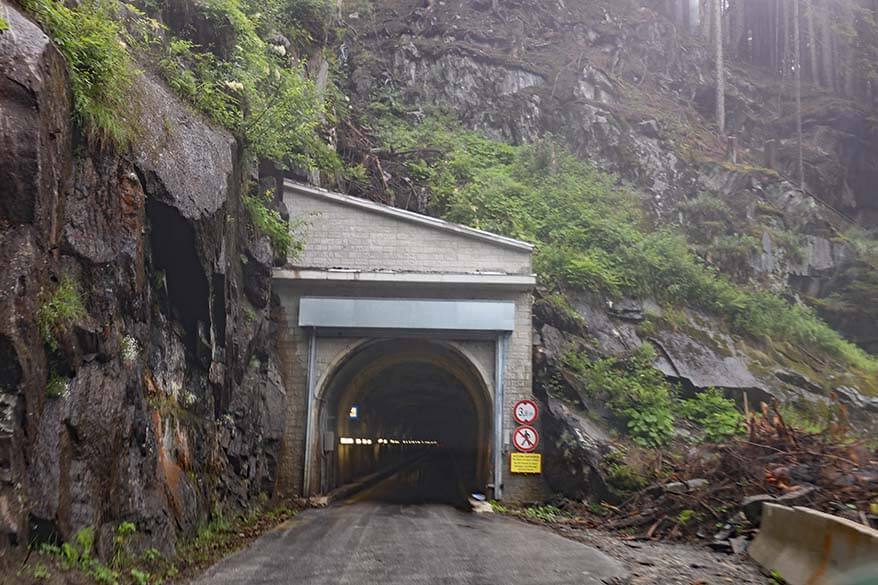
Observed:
{"x":812,"y":42}
{"x":797,"y":61}
{"x":717,"y":10}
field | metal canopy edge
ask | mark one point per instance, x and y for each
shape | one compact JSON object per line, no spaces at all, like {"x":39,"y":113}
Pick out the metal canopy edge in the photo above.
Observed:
{"x":512,"y":281}
{"x":442,"y":315}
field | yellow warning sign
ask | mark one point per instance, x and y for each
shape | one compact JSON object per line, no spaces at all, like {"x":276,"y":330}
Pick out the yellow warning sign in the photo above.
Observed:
{"x":526,"y":463}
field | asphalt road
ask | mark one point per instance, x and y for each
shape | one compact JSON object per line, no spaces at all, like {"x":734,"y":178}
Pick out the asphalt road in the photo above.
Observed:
{"x":365,"y":542}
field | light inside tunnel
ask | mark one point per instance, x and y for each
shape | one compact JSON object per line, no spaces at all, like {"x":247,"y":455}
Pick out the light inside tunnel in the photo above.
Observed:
{"x":427,"y":405}
{"x":383,"y":441}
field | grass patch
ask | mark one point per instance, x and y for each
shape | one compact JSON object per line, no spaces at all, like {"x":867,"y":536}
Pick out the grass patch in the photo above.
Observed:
{"x":101,"y":70}
{"x":218,"y":538}
{"x":544,"y":513}
{"x":78,"y":554}
{"x":59,"y":310}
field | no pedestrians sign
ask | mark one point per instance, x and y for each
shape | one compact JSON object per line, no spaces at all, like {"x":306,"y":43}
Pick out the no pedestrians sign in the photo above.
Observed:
{"x":525,"y":438}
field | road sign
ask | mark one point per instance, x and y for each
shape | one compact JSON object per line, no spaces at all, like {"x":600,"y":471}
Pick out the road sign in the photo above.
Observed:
{"x":525,"y":438}
{"x":525,"y":463}
{"x":525,"y":412}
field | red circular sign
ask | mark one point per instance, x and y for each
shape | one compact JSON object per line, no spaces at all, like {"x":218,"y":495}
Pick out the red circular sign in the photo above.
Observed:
{"x":525,"y":412}
{"x":525,"y":438}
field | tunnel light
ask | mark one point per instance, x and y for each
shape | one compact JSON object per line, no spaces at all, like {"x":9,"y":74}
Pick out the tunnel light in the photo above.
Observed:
{"x":346,"y":441}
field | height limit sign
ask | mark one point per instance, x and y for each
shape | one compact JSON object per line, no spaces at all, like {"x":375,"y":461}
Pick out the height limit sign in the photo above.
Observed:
{"x":525,"y":412}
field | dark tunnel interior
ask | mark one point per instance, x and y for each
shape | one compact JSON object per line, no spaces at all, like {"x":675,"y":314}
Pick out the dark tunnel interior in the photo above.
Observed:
{"x":414,"y":411}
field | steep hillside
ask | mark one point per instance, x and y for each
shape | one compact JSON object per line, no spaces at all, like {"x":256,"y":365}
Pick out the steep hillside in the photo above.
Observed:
{"x":657,"y":242}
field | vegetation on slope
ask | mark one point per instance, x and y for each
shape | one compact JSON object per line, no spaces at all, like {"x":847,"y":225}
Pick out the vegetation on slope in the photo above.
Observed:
{"x":589,"y":230}
{"x":99,"y":66}
{"x":258,"y":89}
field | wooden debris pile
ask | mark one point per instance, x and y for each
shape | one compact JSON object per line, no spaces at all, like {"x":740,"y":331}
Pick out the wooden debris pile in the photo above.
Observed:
{"x":718,"y":495}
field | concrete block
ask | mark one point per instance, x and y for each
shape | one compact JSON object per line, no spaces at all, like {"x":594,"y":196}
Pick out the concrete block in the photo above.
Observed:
{"x":807,"y":547}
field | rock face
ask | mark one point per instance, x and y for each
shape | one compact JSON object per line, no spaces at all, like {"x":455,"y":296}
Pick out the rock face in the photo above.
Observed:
{"x":159,"y":401}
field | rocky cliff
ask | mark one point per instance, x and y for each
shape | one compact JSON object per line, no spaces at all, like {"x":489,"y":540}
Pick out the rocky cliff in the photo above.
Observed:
{"x":137,"y":380}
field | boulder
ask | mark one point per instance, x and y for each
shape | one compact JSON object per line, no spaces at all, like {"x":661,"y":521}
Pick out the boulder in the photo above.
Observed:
{"x":184,"y":161}
{"x":852,"y":397}
{"x":574,"y":447}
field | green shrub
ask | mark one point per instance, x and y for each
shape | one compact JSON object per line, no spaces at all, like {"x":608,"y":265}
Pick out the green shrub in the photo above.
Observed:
{"x":4,"y":25}
{"x":733,"y":254}
{"x":100,"y":68}
{"x":636,"y":392}
{"x":56,"y":386}
{"x":59,"y":310}
{"x":716,"y":414}
{"x":269,"y":222}
{"x":706,"y":217}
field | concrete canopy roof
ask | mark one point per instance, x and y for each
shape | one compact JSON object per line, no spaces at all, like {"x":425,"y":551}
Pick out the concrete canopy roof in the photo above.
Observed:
{"x":409,"y":216}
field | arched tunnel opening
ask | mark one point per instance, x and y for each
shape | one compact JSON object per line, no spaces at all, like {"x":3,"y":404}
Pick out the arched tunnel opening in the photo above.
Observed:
{"x":410,"y":417}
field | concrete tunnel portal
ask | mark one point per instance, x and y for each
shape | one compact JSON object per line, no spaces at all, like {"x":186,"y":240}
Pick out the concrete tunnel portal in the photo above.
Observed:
{"x":404,"y":341}
{"x":395,"y":402}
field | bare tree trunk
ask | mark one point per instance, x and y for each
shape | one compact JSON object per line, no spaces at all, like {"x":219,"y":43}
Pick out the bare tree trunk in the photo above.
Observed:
{"x":775,"y":18}
{"x":812,"y":42}
{"x":720,"y":67}
{"x":705,"y":18}
{"x":826,"y":47}
{"x":797,"y":53}
{"x":739,"y":26}
{"x":786,"y":58}
{"x":850,"y":54}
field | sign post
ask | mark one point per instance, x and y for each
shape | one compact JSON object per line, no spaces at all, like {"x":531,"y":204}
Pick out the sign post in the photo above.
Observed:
{"x":525,"y":438}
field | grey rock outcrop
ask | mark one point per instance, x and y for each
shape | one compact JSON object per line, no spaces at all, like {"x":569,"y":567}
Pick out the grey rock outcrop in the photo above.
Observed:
{"x":165,"y":401}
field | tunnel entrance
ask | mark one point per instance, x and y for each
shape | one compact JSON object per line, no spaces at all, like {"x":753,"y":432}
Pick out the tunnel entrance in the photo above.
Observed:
{"x":411,"y":417}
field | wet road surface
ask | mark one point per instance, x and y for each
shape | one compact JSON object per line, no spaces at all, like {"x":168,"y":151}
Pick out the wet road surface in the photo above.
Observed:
{"x":364,"y":542}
